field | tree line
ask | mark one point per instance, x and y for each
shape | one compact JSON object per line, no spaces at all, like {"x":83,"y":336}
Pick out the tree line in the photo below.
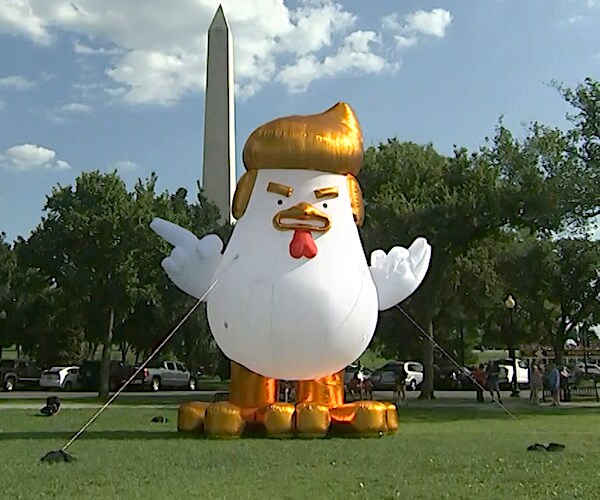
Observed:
{"x":514,"y":217}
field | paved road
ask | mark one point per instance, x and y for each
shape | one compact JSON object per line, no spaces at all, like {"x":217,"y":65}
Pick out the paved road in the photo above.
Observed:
{"x":190,"y":394}
{"x":7,"y":396}
{"x":172,"y":399}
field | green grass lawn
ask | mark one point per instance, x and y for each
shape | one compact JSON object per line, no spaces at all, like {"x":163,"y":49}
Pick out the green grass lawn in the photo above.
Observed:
{"x":437,"y":453}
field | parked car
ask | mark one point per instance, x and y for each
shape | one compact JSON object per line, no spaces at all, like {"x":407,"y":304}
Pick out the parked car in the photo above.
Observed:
{"x":592,"y":369}
{"x":19,"y":373}
{"x":167,"y":374}
{"x":89,"y":375}
{"x":506,"y":365}
{"x":384,"y":378}
{"x":61,"y":377}
{"x":452,"y":378}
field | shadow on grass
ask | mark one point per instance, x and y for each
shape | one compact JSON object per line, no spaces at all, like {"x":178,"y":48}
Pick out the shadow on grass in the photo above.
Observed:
{"x":95,"y":435}
{"x":125,"y":399}
{"x":426,"y":415}
{"x":122,"y":435}
{"x":170,"y":435}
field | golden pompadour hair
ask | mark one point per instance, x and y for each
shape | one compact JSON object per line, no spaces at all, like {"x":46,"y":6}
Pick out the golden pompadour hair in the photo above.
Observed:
{"x":327,"y":142}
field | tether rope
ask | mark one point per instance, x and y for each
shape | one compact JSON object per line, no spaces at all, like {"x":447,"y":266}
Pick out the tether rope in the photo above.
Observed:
{"x":443,"y":351}
{"x":145,"y":363}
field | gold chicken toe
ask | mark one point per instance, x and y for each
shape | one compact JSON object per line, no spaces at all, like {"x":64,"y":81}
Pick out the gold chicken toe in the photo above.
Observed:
{"x":370,"y":417}
{"x":392,"y":418}
{"x":224,"y":420}
{"x":362,"y":418}
{"x":312,"y":420}
{"x":278,"y":419}
{"x":190,"y":416}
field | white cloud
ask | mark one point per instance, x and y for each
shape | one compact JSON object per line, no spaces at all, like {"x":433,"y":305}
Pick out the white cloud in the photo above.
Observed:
{"x":123,"y":165}
{"x":17,"y":17}
{"x":432,"y":23}
{"x":158,"y":77}
{"x":86,"y":50}
{"x":354,"y":55}
{"x":16,"y":82}
{"x":61,"y":165}
{"x":575,"y":19}
{"x":74,"y":107}
{"x":420,"y":23}
{"x":48,"y":77}
{"x":25,"y":157}
{"x":157,"y":55}
{"x":313,"y":27}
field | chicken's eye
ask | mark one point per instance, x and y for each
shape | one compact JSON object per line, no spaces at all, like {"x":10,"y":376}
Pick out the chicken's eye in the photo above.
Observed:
{"x":280,"y":202}
{"x":324,"y":205}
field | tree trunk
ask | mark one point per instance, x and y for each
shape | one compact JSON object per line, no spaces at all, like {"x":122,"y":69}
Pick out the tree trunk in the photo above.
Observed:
{"x":428,"y":374}
{"x":558,"y":351}
{"x":93,"y":347}
{"x":0,"y":352}
{"x":124,"y":346}
{"x":105,"y":367}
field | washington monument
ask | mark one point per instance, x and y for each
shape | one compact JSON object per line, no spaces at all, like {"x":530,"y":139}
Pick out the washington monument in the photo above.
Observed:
{"x":218,"y":170}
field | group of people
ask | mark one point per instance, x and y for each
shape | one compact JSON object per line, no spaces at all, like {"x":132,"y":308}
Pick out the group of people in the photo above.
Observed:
{"x":487,"y":377}
{"x":360,"y":387}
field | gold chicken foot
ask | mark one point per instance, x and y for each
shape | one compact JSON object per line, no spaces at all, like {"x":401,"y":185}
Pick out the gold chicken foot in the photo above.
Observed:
{"x":320,"y":411}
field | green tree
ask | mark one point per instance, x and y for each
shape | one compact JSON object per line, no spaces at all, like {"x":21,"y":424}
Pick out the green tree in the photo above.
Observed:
{"x":161,"y":304}
{"x":558,"y":282}
{"x":7,"y":265}
{"x":83,"y":245}
{"x":536,"y":183}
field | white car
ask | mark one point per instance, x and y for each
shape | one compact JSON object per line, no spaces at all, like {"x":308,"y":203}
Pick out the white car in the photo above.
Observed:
{"x":60,"y":377}
{"x":592,"y":368}
{"x":384,"y":379}
{"x":414,"y":374}
{"x":522,"y":370}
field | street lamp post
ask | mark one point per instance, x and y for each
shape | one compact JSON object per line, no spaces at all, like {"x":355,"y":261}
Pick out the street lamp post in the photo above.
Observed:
{"x":2,"y":318}
{"x":586,"y":345}
{"x":510,"y":305}
{"x":461,"y":336}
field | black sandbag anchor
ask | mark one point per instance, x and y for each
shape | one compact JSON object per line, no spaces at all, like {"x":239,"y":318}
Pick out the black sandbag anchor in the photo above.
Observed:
{"x":56,"y":456}
{"x":550,"y":447}
{"x":52,"y":406}
{"x":159,"y":419}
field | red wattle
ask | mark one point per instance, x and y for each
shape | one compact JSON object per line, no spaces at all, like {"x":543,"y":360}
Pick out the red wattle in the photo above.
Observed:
{"x":303,"y":245}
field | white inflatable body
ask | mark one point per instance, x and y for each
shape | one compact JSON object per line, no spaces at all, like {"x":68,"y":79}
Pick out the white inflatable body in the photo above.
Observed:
{"x":294,"y":318}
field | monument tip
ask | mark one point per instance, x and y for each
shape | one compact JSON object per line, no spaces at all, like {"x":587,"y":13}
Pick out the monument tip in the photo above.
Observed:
{"x":219,"y":20}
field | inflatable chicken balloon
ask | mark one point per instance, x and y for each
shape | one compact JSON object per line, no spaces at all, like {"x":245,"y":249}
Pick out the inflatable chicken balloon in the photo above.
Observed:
{"x":294,"y":297}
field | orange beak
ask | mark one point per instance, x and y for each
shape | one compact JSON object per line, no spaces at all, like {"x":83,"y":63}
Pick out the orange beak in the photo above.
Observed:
{"x":302,"y":216}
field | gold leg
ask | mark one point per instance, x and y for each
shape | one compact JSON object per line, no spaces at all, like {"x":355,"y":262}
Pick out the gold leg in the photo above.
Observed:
{"x":361,"y":417}
{"x":248,"y":392}
{"x":328,"y":391}
{"x":314,"y":399}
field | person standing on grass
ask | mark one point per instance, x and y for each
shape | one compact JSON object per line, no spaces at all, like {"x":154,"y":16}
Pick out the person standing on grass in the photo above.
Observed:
{"x":480,"y":382}
{"x":554,"y":379}
{"x":536,"y":383}
{"x":400,"y":390}
{"x":493,"y":380}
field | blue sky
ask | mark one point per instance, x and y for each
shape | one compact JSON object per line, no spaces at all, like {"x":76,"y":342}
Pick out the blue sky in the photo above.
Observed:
{"x":105,"y":84}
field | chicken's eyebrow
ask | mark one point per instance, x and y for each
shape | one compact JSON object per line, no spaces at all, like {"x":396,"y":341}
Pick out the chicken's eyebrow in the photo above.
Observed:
{"x":280,"y":189}
{"x":328,"y":192}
